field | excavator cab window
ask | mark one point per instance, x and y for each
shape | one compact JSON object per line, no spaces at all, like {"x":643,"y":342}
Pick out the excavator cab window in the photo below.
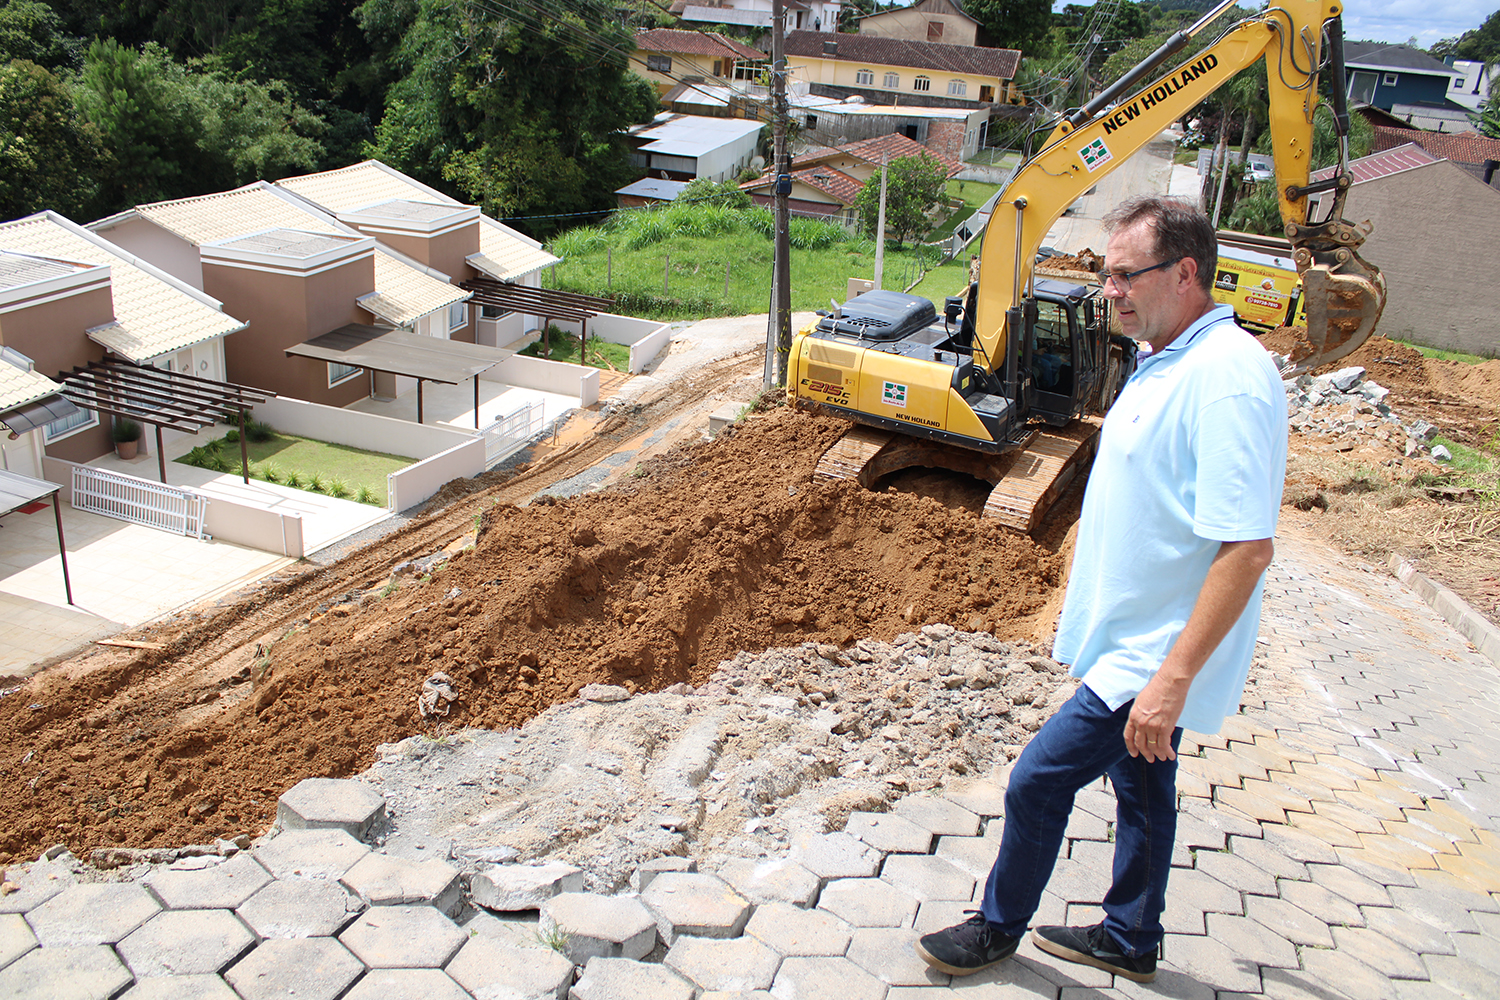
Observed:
{"x":1052,"y":360}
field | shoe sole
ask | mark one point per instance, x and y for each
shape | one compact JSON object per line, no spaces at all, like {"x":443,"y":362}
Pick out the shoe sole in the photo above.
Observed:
{"x":954,"y":970}
{"x":1084,"y":958}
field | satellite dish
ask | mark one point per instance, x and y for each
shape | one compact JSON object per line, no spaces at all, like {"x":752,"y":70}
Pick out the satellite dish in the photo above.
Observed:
{"x":757,"y":163}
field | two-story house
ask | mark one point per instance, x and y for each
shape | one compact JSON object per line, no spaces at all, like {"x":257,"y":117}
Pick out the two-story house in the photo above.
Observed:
{"x":942,"y":21}
{"x":1387,"y":75}
{"x":899,"y":71}
{"x":801,"y":15}
{"x":670,"y":57}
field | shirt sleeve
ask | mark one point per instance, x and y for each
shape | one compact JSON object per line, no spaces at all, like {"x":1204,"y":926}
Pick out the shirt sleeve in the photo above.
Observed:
{"x":1237,"y":496}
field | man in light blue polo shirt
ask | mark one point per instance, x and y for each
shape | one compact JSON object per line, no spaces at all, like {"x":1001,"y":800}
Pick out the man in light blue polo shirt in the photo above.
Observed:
{"x":1163,"y":599}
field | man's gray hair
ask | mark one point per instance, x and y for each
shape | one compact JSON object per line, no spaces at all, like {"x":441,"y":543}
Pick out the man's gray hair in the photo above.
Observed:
{"x":1181,"y":231}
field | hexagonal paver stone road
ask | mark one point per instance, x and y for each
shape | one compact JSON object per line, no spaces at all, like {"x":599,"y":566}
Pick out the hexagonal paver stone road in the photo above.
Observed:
{"x":300,"y":908}
{"x":308,"y":969}
{"x":613,"y":978}
{"x":407,"y":984}
{"x":887,"y":954}
{"x":699,"y":905}
{"x":736,"y":964}
{"x":825,"y":977}
{"x":792,"y":930}
{"x":92,"y":914}
{"x":490,"y":969}
{"x":599,"y":926}
{"x":386,"y":881}
{"x":835,"y":855}
{"x":16,"y":938}
{"x":180,"y":988}
{"x":868,"y":902}
{"x":925,"y":877}
{"x":222,"y":886}
{"x":186,"y":943}
{"x":941,"y":816}
{"x":889,"y":833}
{"x":508,"y":888}
{"x":89,"y":973}
{"x":330,"y":804}
{"x":777,"y":880}
{"x":310,"y":853}
{"x":403,"y":937}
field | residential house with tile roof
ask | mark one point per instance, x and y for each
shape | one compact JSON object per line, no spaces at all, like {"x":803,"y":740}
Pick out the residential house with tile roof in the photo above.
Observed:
{"x":900,"y":71}
{"x":943,"y":21}
{"x":1479,"y":155}
{"x":672,"y":57}
{"x":1387,"y":75}
{"x":1427,"y":213}
{"x":809,"y":15}
{"x":292,"y":272}
{"x":68,"y":297}
{"x":826,"y":181}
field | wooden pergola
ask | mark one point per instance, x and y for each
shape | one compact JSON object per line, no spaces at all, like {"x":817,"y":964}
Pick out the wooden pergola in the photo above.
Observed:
{"x":548,"y":303}
{"x":160,"y":398}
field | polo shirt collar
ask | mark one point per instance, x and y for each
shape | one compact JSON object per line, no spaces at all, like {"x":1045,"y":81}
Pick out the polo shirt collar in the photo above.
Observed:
{"x":1189,"y":336}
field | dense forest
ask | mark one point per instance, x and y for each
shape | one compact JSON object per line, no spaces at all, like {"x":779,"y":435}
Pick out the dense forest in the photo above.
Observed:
{"x":514,"y":105}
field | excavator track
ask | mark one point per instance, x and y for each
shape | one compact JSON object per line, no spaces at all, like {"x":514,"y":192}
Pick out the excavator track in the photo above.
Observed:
{"x":1026,"y":481}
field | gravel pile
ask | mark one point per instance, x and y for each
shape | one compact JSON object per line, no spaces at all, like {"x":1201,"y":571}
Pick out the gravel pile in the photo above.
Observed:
{"x":785,"y":742}
{"x":1346,"y":404}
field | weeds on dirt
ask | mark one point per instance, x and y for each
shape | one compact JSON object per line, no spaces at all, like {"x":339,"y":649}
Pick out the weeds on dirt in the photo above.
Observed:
{"x":390,"y":588}
{"x":553,"y":938}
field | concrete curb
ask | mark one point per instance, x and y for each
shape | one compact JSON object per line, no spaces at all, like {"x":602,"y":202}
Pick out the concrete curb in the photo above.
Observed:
{"x":1454,"y":609}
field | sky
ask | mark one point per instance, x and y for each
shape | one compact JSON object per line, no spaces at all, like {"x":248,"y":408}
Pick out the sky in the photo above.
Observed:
{"x":1401,"y":20}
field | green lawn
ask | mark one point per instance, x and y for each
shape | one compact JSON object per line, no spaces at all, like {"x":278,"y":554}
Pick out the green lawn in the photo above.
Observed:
{"x":563,"y":346}
{"x":305,"y":463}
{"x":973,"y":193}
{"x":1442,"y":355}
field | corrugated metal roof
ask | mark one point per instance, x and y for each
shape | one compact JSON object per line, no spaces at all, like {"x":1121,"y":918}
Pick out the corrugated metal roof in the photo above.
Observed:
{"x":693,"y":135}
{"x":403,"y":294}
{"x":227,"y":214}
{"x":505,"y":254}
{"x":19,"y":386}
{"x":1391,"y":161}
{"x":155,"y":314}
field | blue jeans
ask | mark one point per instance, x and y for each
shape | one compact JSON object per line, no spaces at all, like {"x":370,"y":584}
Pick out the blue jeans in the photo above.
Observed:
{"x":1081,"y":741}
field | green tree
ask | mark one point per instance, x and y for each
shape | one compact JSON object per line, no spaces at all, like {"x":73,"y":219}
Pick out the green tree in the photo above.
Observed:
{"x":914,"y":184}
{"x":703,"y":191}
{"x":49,"y":156}
{"x":1480,"y":44}
{"x":32,"y":31}
{"x":1487,"y":118}
{"x":520,"y":109}
{"x":1015,"y":24}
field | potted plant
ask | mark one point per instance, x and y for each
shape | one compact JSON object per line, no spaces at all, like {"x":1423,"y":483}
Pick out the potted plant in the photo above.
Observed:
{"x":127,"y":437}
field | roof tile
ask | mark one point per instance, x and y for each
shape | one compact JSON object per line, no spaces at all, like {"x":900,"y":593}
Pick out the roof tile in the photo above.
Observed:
{"x":878,"y":51}
{"x":1460,"y":147}
{"x":695,"y":43}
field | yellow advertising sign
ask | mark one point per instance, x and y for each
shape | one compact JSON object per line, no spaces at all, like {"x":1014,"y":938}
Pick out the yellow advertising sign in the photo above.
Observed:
{"x":1259,"y":286}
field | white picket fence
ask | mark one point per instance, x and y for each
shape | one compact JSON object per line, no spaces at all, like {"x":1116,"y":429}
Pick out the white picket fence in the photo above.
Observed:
{"x":139,"y":501}
{"x":507,"y":434}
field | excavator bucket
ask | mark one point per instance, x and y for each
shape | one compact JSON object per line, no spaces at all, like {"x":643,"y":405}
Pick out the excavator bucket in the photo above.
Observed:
{"x":1344,"y":294}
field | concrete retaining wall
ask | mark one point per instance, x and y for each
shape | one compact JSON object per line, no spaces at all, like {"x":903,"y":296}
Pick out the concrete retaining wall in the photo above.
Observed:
{"x":645,"y":337}
{"x":548,"y":376}
{"x":358,"y":430}
{"x":415,"y":483}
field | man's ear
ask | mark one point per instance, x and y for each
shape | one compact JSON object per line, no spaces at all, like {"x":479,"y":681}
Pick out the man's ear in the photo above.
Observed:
{"x":1189,"y":272}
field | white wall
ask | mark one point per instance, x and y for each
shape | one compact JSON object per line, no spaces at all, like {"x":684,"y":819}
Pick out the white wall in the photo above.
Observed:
{"x":548,"y":376}
{"x":645,"y":337}
{"x":359,"y":430}
{"x":24,"y":455}
{"x":415,"y":483}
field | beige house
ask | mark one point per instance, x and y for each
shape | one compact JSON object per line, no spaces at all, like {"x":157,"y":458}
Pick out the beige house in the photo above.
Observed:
{"x":925,"y":21}
{"x":670,"y":57}
{"x":898,"y":71}
{"x":69,"y":297}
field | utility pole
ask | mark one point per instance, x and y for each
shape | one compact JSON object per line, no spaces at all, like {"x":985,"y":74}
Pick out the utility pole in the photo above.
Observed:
{"x":779,"y":329}
{"x":880,"y":229}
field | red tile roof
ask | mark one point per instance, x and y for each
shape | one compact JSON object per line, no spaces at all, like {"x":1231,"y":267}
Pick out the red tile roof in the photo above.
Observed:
{"x":694,"y":43}
{"x":885,"y":148}
{"x":1460,"y":147}
{"x":834,"y":183}
{"x":873,"y":50}
{"x":1391,"y":161}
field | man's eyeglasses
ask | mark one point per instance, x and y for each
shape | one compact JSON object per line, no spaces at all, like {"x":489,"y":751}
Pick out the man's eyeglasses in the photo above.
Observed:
{"x":1122,"y":279}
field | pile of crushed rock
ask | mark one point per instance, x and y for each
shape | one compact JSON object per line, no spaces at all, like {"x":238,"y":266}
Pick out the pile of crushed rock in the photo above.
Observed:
{"x":773,"y":746}
{"x":1348,"y":406}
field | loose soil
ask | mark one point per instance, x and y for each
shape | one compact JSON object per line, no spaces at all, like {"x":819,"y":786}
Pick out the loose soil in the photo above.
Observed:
{"x":696,"y":555}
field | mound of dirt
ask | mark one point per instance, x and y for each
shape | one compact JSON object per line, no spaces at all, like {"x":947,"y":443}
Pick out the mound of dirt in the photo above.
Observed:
{"x":707,"y":552}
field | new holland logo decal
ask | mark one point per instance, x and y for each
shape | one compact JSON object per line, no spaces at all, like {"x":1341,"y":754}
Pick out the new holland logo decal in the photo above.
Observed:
{"x":1095,"y":155}
{"x":894,"y":394}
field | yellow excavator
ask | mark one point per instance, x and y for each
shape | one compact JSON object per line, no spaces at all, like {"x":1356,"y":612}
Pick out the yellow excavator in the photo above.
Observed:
{"x":1009,"y":383}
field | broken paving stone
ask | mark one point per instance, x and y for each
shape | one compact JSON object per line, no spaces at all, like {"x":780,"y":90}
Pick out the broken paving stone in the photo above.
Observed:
{"x":490,"y":970}
{"x":598,"y":926}
{"x":523,"y":887}
{"x":1346,"y":378}
{"x":330,"y":803}
{"x":643,"y":875}
{"x":1441,"y":454}
{"x":224,"y":886}
{"x":385,"y":881}
{"x":696,"y":905}
{"x":604,"y":693}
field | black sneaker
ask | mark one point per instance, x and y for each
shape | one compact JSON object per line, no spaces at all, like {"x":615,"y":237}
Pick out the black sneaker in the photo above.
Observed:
{"x":1095,"y":946}
{"x":966,"y":948}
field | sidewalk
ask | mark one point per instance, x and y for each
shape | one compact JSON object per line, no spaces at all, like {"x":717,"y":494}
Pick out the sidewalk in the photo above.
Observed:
{"x":1339,"y":839}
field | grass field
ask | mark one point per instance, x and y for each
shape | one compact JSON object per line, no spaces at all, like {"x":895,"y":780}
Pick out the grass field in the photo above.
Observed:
{"x":303,"y":463}
{"x":564,"y":347}
{"x":1442,"y":355}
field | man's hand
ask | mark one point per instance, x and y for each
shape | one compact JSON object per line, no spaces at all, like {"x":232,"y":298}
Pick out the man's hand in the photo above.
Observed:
{"x":1231,"y":580}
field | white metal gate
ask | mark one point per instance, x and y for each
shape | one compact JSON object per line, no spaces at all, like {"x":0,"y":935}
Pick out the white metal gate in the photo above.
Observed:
{"x":140,"y":501}
{"x":507,"y":434}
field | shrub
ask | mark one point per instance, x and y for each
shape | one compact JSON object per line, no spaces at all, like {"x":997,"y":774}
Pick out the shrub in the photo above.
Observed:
{"x":315,"y":482}
{"x":294,"y":480}
{"x":338,"y":488}
{"x":647,"y":228}
{"x":813,"y":234}
{"x":232,"y":435}
{"x":124,"y":430}
{"x":198,"y":457}
{"x":270,"y":473}
{"x":259,"y":431}
{"x":366,"y":495}
{"x":577,"y":242}
{"x":219,"y":463}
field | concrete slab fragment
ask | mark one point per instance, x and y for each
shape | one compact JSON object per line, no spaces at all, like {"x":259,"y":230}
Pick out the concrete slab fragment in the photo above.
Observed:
{"x":889,"y":833}
{"x":384,"y":881}
{"x":223,"y":886}
{"x":983,"y":798}
{"x":868,"y":902}
{"x":594,"y":926}
{"x":491,"y":970}
{"x":186,"y":943}
{"x":102,"y":913}
{"x":643,"y":875}
{"x":35,"y":885}
{"x":181,"y":988}
{"x":305,"y":968}
{"x":89,"y":973}
{"x":523,"y":887}
{"x":792,"y":930}
{"x":743,"y":963}
{"x":924,"y":877}
{"x":300,"y":908}
{"x":403,"y":937}
{"x":778,"y":880}
{"x":800,"y":978}
{"x":943,"y":817}
{"x":519,"y":929}
{"x":330,"y":804}
{"x":622,"y":979}
{"x":310,"y":853}
{"x":698,"y":905}
{"x":406,"y":984}
{"x":887,"y":954}
{"x":16,"y":938}
{"x":835,"y":855}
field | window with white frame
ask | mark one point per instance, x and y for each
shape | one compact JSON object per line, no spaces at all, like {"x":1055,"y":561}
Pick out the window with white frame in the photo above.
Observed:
{"x":922,"y":83}
{"x":892,"y":81}
{"x":458,"y":315}
{"x":659,"y":64}
{"x":1390,"y":79}
{"x":865,"y":77}
{"x":958,"y":88}
{"x":1458,"y":83}
{"x":338,"y":373}
{"x":70,"y":425}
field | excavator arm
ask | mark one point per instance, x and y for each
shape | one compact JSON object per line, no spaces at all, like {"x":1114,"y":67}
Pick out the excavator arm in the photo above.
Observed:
{"x":1344,"y":293}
